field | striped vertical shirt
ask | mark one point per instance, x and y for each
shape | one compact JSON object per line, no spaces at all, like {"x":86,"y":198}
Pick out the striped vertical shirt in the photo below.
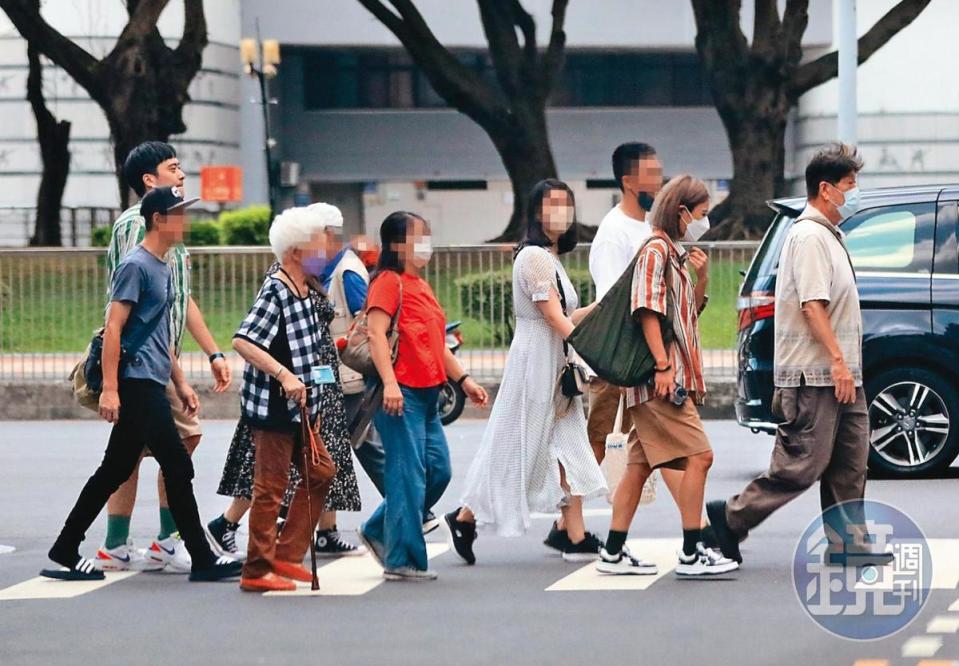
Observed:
{"x":128,"y":232}
{"x":649,"y":293}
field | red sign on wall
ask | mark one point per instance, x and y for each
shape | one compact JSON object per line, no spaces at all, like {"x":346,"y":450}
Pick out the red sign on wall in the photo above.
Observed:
{"x":221,"y":183}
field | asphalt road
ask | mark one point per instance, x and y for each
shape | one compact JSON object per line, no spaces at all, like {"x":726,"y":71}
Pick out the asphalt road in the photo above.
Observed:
{"x":499,"y":611}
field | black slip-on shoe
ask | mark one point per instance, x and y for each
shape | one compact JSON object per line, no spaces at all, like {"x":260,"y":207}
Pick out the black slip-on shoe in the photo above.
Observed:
{"x":557,"y":539}
{"x":725,"y":537}
{"x":462,"y":535}
{"x":222,"y":569}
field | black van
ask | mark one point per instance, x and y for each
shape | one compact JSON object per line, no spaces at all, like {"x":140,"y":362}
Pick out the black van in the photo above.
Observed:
{"x":903,"y":243}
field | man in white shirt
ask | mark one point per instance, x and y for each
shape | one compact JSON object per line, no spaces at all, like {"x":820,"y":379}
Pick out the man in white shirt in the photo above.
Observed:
{"x":639,"y":175}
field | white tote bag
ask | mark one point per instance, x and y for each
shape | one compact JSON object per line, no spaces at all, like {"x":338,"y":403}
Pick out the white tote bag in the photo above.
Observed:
{"x":614,"y":463}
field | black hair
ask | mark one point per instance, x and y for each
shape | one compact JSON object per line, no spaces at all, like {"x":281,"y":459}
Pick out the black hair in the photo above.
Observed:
{"x":830,"y":164}
{"x":145,"y":159}
{"x":627,"y":154}
{"x":394,"y":230}
{"x":534,"y":218}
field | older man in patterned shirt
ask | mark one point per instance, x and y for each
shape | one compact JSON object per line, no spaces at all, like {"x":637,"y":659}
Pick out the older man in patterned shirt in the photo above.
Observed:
{"x":150,"y":165}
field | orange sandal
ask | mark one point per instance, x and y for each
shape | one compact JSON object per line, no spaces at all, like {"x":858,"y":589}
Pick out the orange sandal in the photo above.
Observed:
{"x":268,"y":583}
{"x":293,"y":571}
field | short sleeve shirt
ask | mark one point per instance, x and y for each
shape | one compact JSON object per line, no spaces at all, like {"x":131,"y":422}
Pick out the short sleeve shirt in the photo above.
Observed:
{"x":143,"y":281}
{"x":618,"y":239}
{"x":127,"y":233}
{"x":422,"y":327}
{"x":815,"y":266}
{"x":649,"y":292}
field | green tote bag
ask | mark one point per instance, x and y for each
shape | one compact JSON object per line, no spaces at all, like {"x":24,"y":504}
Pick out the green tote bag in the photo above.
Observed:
{"x":611,"y":340}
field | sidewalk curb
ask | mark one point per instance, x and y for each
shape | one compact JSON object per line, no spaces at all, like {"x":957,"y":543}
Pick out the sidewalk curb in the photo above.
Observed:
{"x":45,"y":401}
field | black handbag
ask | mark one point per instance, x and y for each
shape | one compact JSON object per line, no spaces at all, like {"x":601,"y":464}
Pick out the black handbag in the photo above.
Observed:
{"x":572,"y":378}
{"x":611,"y":340}
{"x":93,"y":366}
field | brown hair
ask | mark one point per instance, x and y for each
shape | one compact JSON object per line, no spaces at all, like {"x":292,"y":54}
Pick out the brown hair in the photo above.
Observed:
{"x":681,"y":191}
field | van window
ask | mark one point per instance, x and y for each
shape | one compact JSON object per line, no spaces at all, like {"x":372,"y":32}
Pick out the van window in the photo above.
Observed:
{"x":891,"y":238}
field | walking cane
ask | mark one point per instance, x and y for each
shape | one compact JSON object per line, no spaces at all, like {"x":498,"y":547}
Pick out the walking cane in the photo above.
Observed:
{"x":309,"y":442}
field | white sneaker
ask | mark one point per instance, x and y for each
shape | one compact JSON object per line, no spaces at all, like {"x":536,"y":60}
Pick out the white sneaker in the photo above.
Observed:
{"x":705,"y":562}
{"x":624,"y":563}
{"x":124,"y":558}
{"x":170,"y":553}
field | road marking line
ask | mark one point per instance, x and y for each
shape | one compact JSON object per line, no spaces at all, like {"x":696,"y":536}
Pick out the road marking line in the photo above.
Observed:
{"x":662,"y":552}
{"x":871,"y":662}
{"x":350,"y":576}
{"x":954,"y":606}
{"x":921,"y":646}
{"x":943,"y":624}
{"x":48,"y":588}
{"x":937,"y":662}
{"x":945,"y":563}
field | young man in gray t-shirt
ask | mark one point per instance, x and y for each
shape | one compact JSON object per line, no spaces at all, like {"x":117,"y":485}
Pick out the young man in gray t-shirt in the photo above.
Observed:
{"x":134,"y":400}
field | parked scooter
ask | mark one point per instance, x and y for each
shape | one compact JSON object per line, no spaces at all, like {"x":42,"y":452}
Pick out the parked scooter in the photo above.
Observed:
{"x":452,"y":399}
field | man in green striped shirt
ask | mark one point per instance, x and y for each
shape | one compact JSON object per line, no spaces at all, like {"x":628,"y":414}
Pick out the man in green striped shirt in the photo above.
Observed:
{"x":149,"y":165}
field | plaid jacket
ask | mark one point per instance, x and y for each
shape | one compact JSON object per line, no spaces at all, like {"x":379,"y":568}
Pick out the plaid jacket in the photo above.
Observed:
{"x":279,"y":311}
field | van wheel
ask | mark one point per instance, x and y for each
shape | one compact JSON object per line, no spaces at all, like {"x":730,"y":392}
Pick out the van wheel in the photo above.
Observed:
{"x":912,"y":429}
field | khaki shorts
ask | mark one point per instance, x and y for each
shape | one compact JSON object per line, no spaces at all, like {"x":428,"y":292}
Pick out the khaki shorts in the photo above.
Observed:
{"x":665,"y":435}
{"x":187,"y":425}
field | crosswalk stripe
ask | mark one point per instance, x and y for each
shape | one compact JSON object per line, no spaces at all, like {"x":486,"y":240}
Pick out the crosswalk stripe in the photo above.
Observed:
{"x":48,"y":588}
{"x":943,"y":624}
{"x":921,"y":646}
{"x":662,"y":552}
{"x":350,"y":576}
{"x":945,"y":563}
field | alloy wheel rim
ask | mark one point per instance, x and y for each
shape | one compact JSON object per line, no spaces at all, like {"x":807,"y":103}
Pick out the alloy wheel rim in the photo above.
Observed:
{"x":908,"y":424}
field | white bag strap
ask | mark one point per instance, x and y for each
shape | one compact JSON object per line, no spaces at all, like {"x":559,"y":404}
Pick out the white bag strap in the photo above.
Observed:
{"x":618,"y":423}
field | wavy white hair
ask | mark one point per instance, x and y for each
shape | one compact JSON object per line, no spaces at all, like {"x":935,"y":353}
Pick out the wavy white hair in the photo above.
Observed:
{"x":292,"y":228}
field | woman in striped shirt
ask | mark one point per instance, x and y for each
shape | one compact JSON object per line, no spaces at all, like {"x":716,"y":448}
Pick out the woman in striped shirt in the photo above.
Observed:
{"x":668,"y":430}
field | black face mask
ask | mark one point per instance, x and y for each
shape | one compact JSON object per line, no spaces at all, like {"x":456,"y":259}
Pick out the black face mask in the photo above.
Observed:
{"x":645,"y":200}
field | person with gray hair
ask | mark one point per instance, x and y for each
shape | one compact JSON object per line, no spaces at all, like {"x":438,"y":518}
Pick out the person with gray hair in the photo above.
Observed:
{"x":291,"y":370}
{"x":823,"y":432}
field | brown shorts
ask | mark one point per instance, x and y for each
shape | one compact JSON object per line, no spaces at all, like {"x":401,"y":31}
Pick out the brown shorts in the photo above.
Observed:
{"x":187,"y":425}
{"x":665,"y":435}
{"x":603,"y":404}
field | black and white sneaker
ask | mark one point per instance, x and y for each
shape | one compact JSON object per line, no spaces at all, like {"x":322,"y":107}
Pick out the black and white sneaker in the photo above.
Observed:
{"x":624,"y":563}
{"x":430,"y":523}
{"x":462,"y":536}
{"x":221,"y":534}
{"x":586,"y":550}
{"x":223,"y":568}
{"x":83,"y":569}
{"x":329,"y":543}
{"x":409,"y":574}
{"x":704,"y":562}
{"x":557,"y":539}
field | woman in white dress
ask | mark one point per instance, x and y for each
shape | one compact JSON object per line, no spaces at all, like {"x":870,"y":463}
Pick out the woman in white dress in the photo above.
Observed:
{"x":535,"y":455}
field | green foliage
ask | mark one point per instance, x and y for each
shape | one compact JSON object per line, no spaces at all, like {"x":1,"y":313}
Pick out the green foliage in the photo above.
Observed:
{"x":100,"y":236}
{"x":203,"y":232}
{"x":489,"y":297}
{"x":247,"y":226}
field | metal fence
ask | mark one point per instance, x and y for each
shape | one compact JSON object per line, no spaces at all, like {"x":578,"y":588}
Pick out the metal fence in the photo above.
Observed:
{"x":51,"y":301}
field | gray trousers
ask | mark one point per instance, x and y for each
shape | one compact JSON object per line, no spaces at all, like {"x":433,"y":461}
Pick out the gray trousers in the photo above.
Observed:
{"x":819,"y":440}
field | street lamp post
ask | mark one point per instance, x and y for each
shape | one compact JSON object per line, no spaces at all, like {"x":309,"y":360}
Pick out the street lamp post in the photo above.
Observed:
{"x":260,"y":59}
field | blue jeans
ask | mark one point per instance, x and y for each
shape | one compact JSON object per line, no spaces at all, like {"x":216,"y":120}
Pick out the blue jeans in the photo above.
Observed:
{"x":416,"y":474}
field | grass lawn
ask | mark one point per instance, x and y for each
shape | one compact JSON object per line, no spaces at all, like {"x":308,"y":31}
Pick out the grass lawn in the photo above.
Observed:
{"x":53,"y":304}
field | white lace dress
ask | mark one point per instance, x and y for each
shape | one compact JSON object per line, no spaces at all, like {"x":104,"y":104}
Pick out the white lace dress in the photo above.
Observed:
{"x":516,"y":470}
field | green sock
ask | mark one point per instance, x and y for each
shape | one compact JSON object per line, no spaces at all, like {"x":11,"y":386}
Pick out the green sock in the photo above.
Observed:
{"x":167,"y":524}
{"x":118,"y":531}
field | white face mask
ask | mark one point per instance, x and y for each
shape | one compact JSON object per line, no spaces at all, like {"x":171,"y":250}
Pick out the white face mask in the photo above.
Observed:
{"x":696,"y":229}
{"x":423,"y":249}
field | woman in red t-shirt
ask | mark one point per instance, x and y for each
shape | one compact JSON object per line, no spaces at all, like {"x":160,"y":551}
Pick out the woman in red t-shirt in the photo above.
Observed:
{"x":417,"y":468}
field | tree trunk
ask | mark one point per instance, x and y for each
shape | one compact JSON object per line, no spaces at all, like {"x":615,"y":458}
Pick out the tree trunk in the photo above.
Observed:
{"x":757,"y":142}
{"x":528,"y":159}
{"x":54,"y":139}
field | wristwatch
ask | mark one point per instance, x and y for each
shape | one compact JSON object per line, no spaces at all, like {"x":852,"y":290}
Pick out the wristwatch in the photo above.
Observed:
{"x":214,"y":356}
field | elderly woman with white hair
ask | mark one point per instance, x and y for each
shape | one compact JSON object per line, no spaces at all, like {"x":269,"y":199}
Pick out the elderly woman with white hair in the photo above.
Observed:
{"x":286,"y":342}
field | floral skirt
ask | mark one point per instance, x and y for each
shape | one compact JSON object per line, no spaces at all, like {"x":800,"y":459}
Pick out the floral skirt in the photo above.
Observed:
{"x":237,"y":478}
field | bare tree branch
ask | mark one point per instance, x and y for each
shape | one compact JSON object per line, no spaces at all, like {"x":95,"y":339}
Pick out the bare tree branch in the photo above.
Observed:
{"x":457,"y":83}
{"x":795,"y":20}
{"x":499,"y":26}
{"x":717,"y":27}
{"x":194,"y":39}
{"x":143,"y":19}
{"x":555,"y":52}
{"x":766,"y":27}
{"x":78,"y":63}
{"x":826,"y":67}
